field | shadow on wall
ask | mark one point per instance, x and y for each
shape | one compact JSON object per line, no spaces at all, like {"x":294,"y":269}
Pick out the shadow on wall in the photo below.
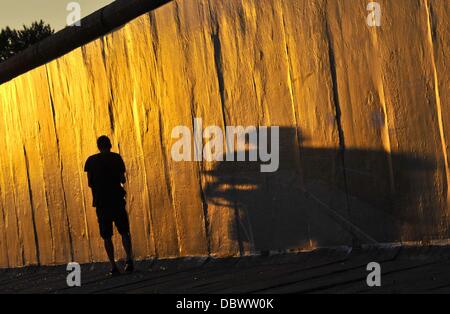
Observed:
{"x":326,"y":197}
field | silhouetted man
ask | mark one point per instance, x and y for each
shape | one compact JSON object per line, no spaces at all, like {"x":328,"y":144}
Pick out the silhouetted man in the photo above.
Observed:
{"x":106,"y":175}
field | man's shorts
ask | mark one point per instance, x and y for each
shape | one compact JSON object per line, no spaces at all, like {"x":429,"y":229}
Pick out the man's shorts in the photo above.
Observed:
{"x":113,"y":213}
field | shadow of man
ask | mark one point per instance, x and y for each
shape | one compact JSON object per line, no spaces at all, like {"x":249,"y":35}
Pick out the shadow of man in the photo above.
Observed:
{"x":106,"y":176}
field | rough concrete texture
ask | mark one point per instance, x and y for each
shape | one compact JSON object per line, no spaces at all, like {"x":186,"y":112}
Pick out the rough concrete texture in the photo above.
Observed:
{"x":364,"y":116}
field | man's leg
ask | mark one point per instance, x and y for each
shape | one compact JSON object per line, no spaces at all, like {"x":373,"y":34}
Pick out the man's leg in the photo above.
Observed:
{"x":109,"y":247}
{"x":126,"y":241}
{"x":123,"y":225}
{"x":106,"y":232}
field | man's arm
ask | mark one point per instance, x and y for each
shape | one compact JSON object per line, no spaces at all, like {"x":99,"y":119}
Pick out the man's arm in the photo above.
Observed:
{"x":89,"y":175}
{"x":123,"y":179}
{"x":87,"y":169}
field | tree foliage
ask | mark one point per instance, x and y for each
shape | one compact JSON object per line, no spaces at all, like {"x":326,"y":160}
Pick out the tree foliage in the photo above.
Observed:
{"x":13,"y":41}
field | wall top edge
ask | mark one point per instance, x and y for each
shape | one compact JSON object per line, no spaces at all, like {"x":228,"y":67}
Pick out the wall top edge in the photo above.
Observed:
{"x":92,"y":27}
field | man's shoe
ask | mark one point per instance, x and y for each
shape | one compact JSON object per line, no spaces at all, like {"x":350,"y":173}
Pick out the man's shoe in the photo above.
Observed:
{"x":114,"y":272}
{"x":129,"y":267}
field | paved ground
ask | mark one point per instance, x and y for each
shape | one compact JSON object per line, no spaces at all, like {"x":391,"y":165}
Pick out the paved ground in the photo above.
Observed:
{"x":404,"y":270}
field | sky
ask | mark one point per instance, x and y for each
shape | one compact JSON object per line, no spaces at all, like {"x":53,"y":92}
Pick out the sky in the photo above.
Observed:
{"x":15,"y":13}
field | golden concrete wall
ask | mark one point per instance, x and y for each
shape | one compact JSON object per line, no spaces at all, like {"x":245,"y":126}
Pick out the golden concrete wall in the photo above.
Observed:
{"x":364,"y":117}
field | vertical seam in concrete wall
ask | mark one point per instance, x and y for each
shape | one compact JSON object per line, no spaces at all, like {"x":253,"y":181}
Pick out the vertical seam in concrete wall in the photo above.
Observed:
{"x":218,"y":62}
{"x":167,"y":180}
{"x":202,"y":192}
{"x":386,"y":135}
{"x":429,"y":14}
{"x":111,"y":99}
{"x":44,"y":186}
{"x":294,"y":111}
{"x":385,"y":132}
{"x":61,"y":166}
{"x":2,"y":208}
{"x":220,"y":79}
{"x":205,"y":211}
{"x":153,"y":33}
{"x":83,"y":201}
{"x":217,"y":49}
{"x":111,"y":112}
{"x":18,"y":226}
{"x":147,"y":213}
{"x":80,"y":172}
{"x":32,"y":205}
{"x":338,"y":114}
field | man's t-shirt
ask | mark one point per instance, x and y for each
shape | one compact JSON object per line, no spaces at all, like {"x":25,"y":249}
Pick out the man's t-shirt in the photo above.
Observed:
{"x":106,"y":173}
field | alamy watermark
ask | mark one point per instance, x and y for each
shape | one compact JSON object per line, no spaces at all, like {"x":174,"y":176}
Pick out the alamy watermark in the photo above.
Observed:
{"x":374,"y":17}
{"x":374,"y":277}
{"x":73,"y":279}
{"x":74,"y":16}
{"x":237,"y":143}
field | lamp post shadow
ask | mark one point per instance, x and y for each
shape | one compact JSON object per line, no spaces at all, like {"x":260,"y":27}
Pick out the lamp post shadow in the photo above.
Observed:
{"x":330,"y":197}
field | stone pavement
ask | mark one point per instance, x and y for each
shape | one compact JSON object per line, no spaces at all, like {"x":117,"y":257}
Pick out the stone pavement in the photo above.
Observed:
{"x":340,"y":270}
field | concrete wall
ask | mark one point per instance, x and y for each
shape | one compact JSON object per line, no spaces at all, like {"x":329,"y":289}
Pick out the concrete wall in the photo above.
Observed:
{"x":364,"y":127}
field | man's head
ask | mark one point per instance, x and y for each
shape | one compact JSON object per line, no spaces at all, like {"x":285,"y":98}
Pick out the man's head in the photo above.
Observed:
{"x":104,"y":144}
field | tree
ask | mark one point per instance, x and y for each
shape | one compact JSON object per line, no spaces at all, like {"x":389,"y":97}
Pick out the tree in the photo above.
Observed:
{"x":13,"y":41}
